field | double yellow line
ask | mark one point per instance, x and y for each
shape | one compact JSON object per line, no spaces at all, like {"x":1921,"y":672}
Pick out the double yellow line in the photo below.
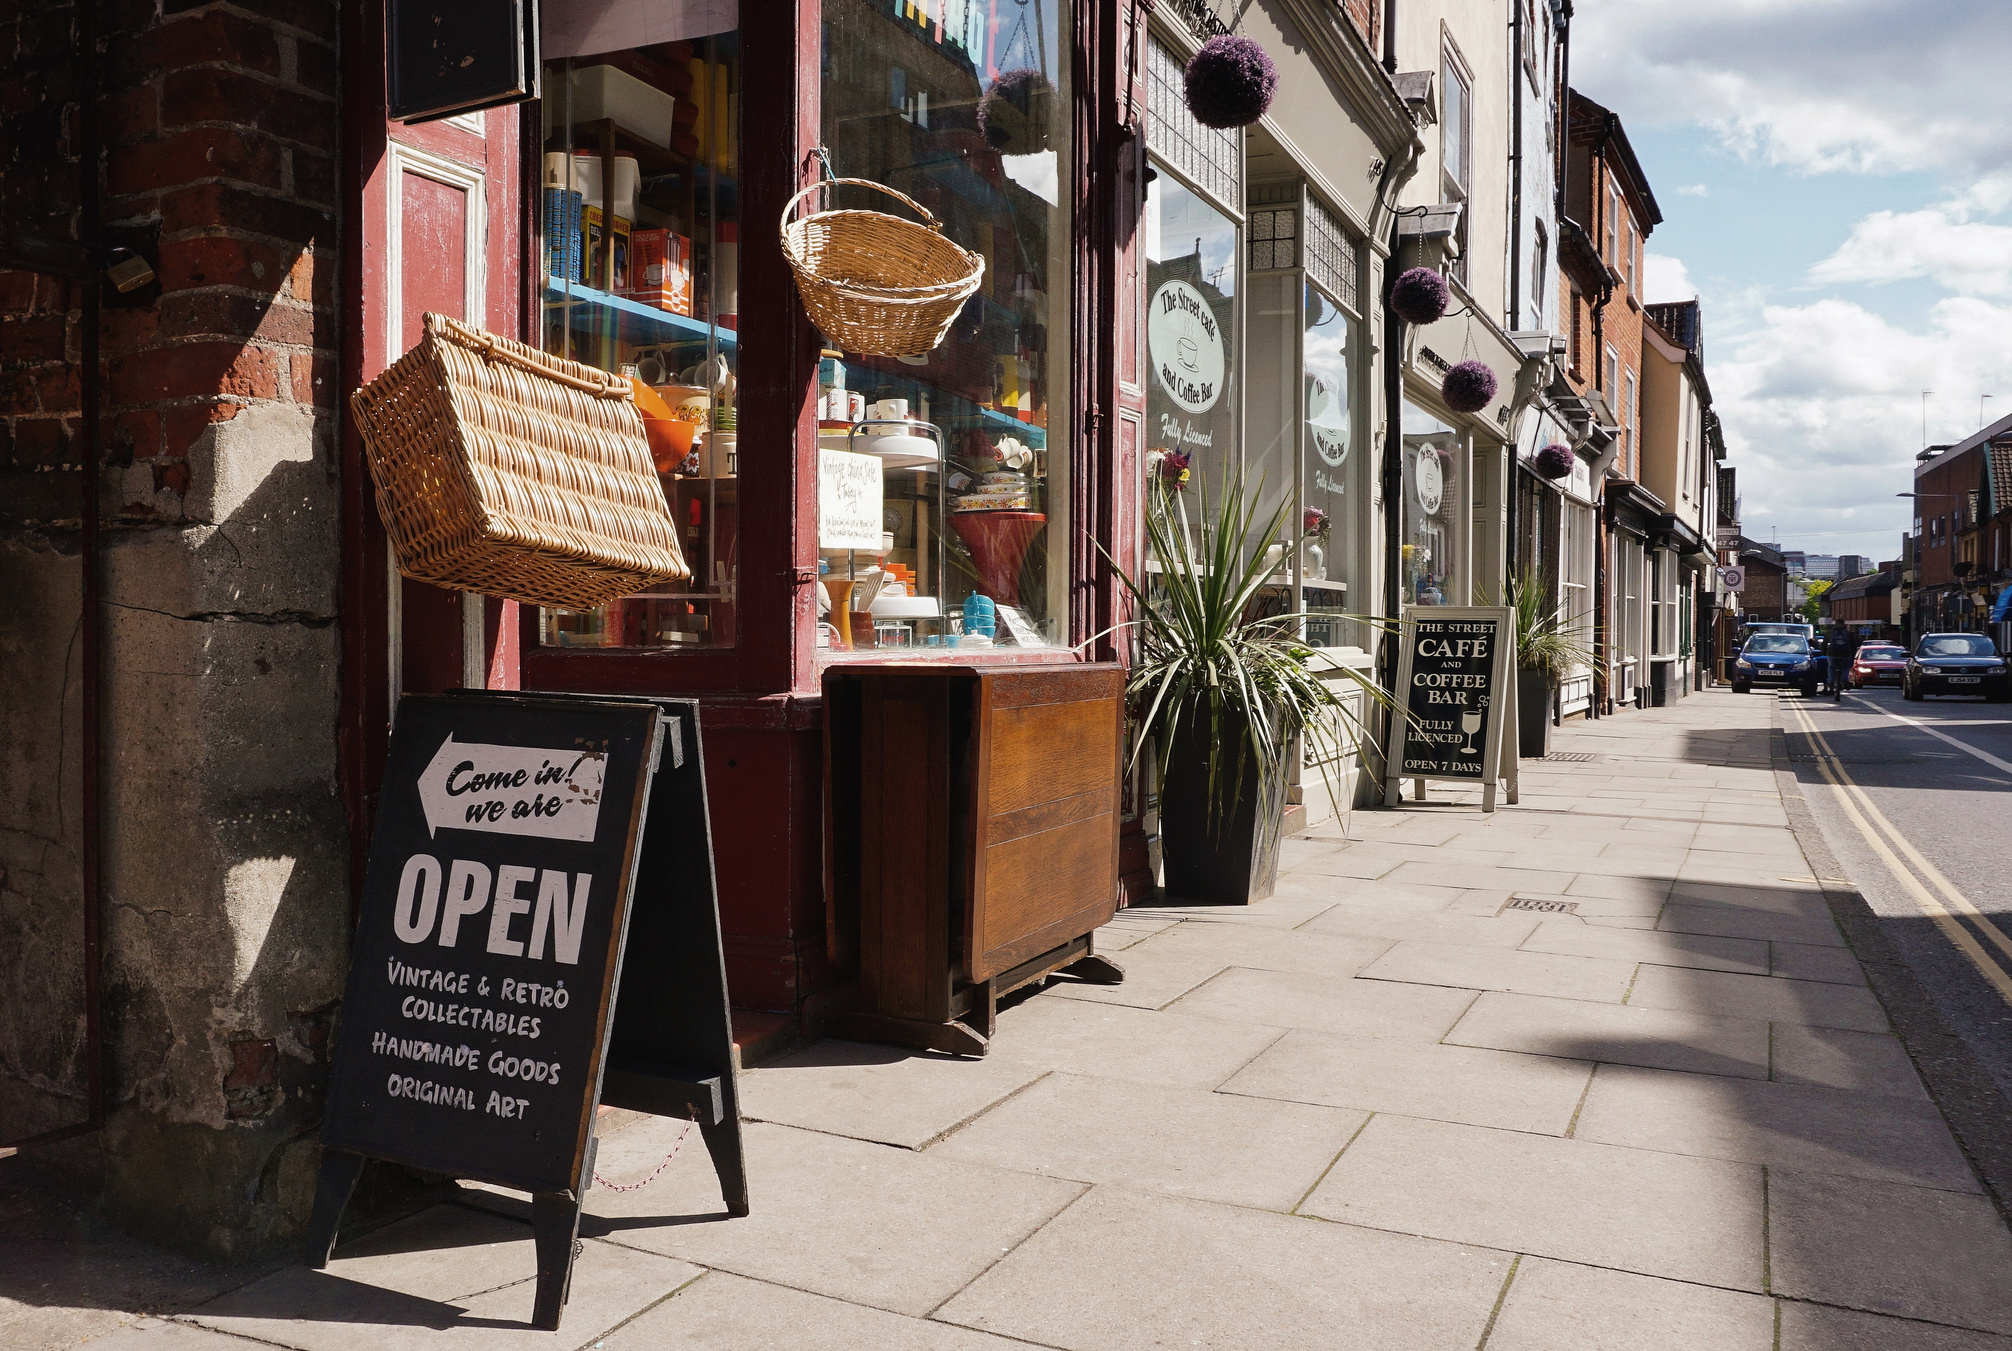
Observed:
{"x":1891,"y":846}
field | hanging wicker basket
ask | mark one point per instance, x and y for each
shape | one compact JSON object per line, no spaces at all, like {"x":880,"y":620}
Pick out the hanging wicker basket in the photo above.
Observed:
{"x":504,"y":471}
{"x":874,"y":284}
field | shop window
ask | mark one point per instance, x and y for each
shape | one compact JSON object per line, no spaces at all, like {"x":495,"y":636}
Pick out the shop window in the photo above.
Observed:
{"x":1333,"y":504}
{"x":639,"y":226}
{"x":1191,"y":336}
{"x":964,"y":106}
{"x":1433,"y":545}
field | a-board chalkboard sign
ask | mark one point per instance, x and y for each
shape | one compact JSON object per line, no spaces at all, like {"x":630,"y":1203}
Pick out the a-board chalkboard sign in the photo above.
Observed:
{"x":484,"y":967}
{"x":1456,"y":692}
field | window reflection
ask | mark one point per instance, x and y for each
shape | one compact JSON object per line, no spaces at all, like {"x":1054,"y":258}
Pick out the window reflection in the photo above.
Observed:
{"x":1331,"y":524}
{"x":1191,"y":286}
{"x":1433,"y":546}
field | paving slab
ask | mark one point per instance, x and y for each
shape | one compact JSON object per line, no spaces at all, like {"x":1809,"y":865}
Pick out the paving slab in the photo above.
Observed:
{"x":1817,"y":1130}
{"x":1377,"y":921}
{"x":1127,"y":1271}
{"x":1128,"y":928}
{"x":1157,"y":972}
{"x":448,"y":1276}
{"x":145,"y":1334}
{"x":1657,"y":949}
{"x":1190,"y":1142}
{"x":1297,"y":900}
{"x":1388,"y":897}
{"x":724,"y":1312}
{"x":1940,"y":1256}
{"x":1630,"y":888}
{"x":1442,"y":1083}
{"x":1804,"y":961}
{"x":1633,"y":1210}
{"x":1867,"y":1062}
{"x":1724,"y":921}
{"x":1622,"y":1035}
{"x":1117,"y":1042}
{"x":1562,"y":1306}
{"x":1815,"y":1003}
{"x":890,"y":1228}
{"x":1818,"y":1327}
{"x":885,"y":1093}
{"x":1434,"y":872}
{"x":1518,"y":970}
{"x":1308,"y":951}
{"x":1361,"y":1008}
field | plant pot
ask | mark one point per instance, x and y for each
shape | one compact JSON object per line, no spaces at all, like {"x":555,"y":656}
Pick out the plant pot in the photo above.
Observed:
{"x":1533,"y":715}
{"x":1226,"y":857}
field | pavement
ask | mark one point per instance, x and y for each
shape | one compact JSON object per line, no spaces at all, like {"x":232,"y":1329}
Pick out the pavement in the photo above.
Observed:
{"x":1599,"y":1070}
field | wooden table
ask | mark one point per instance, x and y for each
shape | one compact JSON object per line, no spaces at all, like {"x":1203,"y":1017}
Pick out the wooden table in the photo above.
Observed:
{"x":971,"y":838}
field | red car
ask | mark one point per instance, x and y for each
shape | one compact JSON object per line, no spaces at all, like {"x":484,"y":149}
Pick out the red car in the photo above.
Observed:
{"x":1878,"y":664}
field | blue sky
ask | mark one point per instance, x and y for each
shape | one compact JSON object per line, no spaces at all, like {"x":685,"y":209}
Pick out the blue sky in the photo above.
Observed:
{"x":1836,"y":183}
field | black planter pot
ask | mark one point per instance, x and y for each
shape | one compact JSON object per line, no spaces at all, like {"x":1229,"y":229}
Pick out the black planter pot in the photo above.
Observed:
{"x":1229,"y":858}
{"x":1533,"y":715}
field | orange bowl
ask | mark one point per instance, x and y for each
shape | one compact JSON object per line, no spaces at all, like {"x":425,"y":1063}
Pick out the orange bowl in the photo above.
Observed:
{"x":670,"y":440}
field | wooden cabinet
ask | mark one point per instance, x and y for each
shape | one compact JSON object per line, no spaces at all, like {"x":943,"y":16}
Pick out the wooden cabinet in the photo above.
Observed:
{"x":971,"y":838}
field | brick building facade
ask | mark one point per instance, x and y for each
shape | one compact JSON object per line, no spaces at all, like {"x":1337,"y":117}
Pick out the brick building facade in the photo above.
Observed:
{"x":187,"y":619}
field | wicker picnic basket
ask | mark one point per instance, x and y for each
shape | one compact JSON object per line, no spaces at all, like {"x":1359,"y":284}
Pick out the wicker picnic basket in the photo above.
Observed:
{"x":874,"y":284}
{"x":505,"y":471}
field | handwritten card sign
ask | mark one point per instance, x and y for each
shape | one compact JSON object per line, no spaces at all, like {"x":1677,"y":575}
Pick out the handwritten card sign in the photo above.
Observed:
{"x":1020,"y":627}
{"x":1454,"y":681}
{"x":849,"y":501}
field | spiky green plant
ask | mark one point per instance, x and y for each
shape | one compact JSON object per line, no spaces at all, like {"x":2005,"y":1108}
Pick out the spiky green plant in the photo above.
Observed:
{"x":1546,"y":636}
{"x":1207,"y":662}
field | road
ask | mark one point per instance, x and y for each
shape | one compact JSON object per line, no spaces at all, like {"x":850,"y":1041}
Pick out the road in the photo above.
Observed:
{"x":1915,"y":800}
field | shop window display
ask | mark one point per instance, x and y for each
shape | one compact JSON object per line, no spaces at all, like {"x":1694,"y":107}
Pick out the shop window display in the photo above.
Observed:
{"x":640,"y":229}
{"x":1330,"y":469}
{"x":1433,"y":548}
{"x":965,"y":107}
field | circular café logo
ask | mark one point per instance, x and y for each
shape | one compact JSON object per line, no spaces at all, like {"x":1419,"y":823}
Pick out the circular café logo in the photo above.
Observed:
{"x":1187,"y":346}
{"x":1431,"y":482}
{"x":1326,"y":414}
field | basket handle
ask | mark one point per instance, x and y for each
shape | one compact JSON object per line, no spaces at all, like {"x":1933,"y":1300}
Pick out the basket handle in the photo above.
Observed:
{"x":928,"y":217}
{"x":608,"y":387}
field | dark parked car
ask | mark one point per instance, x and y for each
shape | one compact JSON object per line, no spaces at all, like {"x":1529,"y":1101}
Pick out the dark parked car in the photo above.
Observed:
{"x":1777,"y":659}
{"x":1878,"y":664}
{"x":1956,"y":663}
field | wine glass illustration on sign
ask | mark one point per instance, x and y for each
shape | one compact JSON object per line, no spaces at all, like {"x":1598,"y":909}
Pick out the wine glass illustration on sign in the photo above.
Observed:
{"x":1470,"y":723}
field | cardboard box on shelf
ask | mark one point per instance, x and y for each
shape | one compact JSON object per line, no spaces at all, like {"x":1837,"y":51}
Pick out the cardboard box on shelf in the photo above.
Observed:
{"x":660,"y":266}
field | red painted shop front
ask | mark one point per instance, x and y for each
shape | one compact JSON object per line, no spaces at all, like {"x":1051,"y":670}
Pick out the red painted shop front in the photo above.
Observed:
{"x":628,"y":219}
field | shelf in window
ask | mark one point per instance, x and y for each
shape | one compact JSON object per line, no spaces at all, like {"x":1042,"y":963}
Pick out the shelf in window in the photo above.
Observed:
{"x":654,"y":324}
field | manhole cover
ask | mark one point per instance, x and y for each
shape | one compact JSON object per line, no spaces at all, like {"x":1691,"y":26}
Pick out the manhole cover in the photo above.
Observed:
{"x":1576,"y":757}
{"x":1541,"y":906}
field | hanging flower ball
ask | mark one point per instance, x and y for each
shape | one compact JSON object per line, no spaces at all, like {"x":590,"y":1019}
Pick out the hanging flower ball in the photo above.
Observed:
{"x":1230,"y":82}
{"x":1013,"y":117}
{"x":1554,"y":460}
{"x":1420,"y":295}
{"x":1468,"y":387}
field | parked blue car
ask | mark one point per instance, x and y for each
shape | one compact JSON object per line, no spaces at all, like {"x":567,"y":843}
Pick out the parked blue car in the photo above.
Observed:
{"x":1779,"y":659}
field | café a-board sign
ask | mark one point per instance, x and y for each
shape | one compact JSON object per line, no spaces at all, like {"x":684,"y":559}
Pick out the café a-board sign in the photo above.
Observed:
{"x":1456,"y":694}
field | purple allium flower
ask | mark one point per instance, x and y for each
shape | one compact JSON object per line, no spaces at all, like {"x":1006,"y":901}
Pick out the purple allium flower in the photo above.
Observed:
{"x":1420,"y":295}
{"x":1468,"y":387}
{"x":1554,"y":460}
{"x":1230,"y":82}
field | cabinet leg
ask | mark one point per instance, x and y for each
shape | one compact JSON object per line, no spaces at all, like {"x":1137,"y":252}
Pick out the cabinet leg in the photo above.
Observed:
{"x":1096,"y":970}
{"x":555,"y":1230}
{"x":339,"y":1172}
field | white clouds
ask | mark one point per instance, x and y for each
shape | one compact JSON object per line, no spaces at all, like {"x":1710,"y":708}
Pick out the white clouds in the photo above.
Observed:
{"x":1821,"y":405}
{"x":1666,"y":278}
{"x":1967,"y":257}
{"x":1694,"y":190}
{"x":1815,"y":85}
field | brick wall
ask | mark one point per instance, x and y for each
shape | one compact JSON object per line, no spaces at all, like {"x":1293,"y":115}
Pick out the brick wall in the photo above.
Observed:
{"x":1366,"y":17}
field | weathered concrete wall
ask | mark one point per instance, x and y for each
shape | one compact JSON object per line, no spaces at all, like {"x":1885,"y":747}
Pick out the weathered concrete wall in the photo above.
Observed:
{"x":41,"y":886}
{"x":225,"y":898}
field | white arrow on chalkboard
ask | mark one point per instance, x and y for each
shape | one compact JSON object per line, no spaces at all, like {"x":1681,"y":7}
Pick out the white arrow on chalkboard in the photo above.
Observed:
{"x":513,"y":790}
